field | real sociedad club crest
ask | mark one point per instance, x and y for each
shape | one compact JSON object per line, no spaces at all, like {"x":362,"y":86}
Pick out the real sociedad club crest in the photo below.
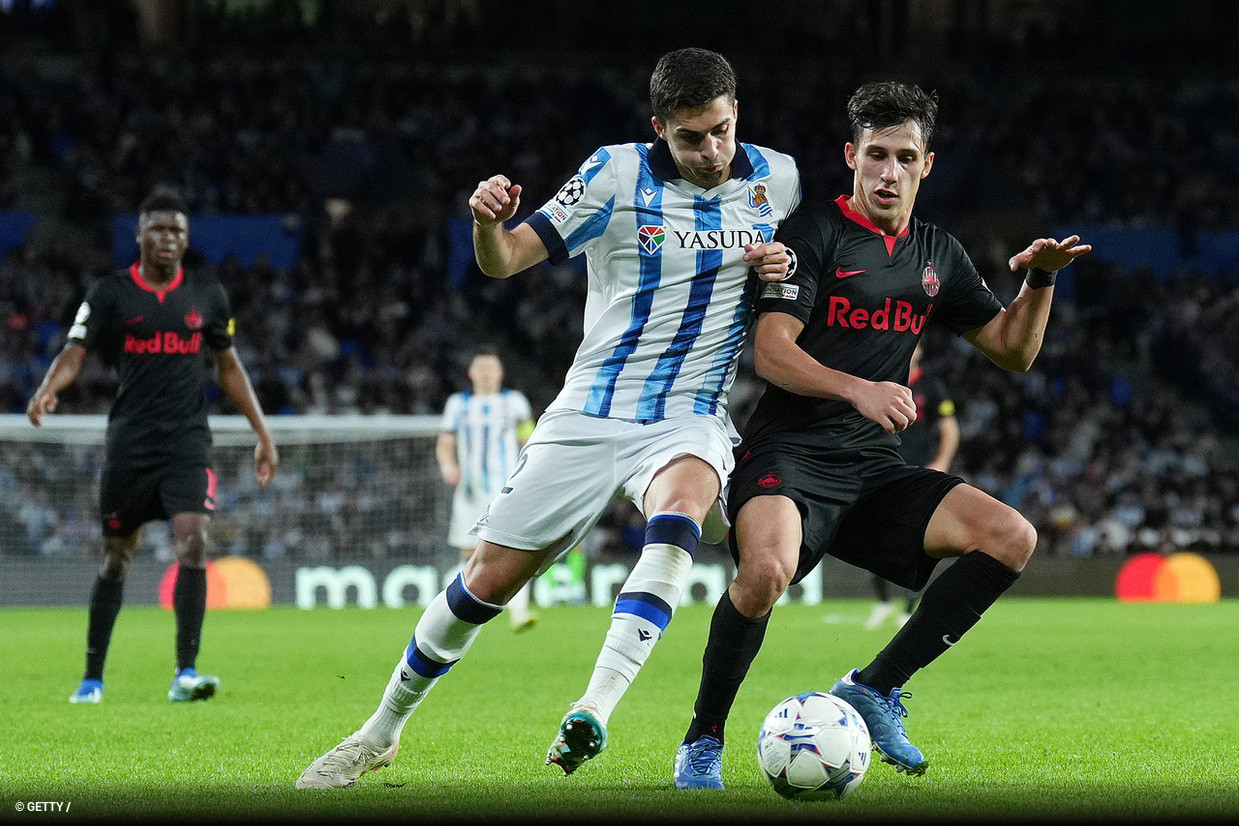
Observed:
{"x":758,"y":199}
{"x":651,"y":238}
{"x":929,"y":279}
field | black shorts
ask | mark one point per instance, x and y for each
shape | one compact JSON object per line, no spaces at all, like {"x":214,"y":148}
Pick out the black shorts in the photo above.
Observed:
{"x":131,"y":495}
{"x":866,"y":507}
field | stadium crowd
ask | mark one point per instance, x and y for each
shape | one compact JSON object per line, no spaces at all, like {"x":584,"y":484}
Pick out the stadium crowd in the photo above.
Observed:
{"x":1121,"y":437}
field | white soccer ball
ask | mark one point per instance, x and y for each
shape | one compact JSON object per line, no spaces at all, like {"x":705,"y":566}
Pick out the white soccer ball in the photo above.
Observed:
{"x":814,"y":746}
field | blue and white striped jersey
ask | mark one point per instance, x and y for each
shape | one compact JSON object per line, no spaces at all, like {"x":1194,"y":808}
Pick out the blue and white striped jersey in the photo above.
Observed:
{"x":668,"y":300}
{"x":486,"y":437}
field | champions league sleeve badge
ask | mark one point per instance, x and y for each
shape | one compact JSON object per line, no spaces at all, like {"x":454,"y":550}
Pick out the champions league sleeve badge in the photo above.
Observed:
{"x":572,"y":192}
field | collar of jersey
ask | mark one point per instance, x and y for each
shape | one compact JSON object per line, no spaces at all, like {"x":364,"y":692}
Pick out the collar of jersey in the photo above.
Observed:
{"x":859,"y":218}
{"x":136,"y":274}
{"x":663,"y":165}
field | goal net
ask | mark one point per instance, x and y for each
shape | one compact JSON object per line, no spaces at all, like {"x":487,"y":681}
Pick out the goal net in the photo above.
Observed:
{"x":347,"y":486}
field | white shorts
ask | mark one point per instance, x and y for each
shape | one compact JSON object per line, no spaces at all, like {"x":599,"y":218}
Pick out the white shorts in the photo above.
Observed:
{"x":467,"y":507}
{"x":574,"y":465}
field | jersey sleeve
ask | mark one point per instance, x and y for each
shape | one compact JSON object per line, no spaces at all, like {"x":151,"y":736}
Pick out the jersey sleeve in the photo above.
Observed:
{"x":581,"y":210}
{"x":93,"y":316}
{"x":969,"y":303}
{"x":522,"y":411}
{"x":220,"y":326}
{"x":807,"y":244}
{"x":451,"y":414}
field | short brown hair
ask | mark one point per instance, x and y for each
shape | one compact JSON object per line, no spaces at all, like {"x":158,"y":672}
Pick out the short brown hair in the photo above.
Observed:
{"x":688,"y":78}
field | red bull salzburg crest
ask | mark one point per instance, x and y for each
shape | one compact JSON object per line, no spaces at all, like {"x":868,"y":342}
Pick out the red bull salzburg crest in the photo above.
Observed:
{"x":929,"y":279}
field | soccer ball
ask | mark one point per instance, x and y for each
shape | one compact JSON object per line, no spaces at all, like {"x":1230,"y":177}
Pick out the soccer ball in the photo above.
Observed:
{"x":814,"y":746}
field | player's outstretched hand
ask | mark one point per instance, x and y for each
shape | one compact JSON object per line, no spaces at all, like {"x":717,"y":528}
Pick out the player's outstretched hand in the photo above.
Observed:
{"x":1049,"y":255}
{"x":888,"y":403}
{"x":266,"y":462}
{"x":769,"y":259}
{"x":43,"y":401}
{"x":495,"y":200}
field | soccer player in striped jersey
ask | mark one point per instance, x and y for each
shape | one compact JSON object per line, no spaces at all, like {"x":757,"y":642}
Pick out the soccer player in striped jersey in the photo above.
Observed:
{"x":483,"y":430}
{"x":670,"y":231}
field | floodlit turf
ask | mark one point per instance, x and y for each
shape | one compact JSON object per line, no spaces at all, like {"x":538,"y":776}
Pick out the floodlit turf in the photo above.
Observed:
{"x":1049,"y":709}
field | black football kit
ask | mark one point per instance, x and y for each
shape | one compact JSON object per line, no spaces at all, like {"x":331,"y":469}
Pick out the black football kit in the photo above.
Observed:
{"x":865,"y":298}
{"x":158,"y":445}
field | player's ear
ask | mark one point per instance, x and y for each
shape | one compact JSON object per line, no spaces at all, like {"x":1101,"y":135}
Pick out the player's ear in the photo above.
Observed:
{"x":849,"y":154}
{"x":659,"y":128}
{"x":929,"y":162}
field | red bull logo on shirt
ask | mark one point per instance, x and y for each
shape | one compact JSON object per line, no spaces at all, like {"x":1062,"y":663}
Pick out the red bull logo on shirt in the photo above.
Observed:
{"x":169,"y":342}
{"x":903,"y":318}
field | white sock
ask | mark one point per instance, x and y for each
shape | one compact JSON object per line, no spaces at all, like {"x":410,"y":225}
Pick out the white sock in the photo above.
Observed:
{"x":443,"y":634}
{"x":643,"y":608}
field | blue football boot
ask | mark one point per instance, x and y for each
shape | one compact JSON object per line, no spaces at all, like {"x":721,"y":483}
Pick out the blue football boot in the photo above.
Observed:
{"x":882,"y":716}
{"x":699,"y":764}
{"x":188,"y":685}
{"x":90,"y":691}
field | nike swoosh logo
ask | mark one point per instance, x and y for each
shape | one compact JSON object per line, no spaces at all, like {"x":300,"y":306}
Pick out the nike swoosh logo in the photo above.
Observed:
{"x":134,"y":320}
{"x":842,"y":273}
{"x":946,"y":638}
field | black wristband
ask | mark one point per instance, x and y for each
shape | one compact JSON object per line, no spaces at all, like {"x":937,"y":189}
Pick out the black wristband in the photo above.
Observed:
{"x":1037,"y":279}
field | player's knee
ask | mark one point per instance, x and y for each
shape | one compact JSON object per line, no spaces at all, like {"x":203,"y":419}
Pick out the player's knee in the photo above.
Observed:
{"x":118,"y":554}
{"x":763,"y":577}
{"x":191,"y":548}
{"x":1013,"y":540}
{"x":114,"y":567}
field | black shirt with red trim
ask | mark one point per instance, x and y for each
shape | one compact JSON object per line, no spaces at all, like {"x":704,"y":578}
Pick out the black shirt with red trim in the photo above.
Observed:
{"x":864,"y":298}
{"x":159,"y":340}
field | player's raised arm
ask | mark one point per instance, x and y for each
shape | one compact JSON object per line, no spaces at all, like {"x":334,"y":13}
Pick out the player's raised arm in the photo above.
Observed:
{"x":781,"y":361}
{"x":1012,"y":339}
{"x":62,"y":373}
{"x":500,"y":252}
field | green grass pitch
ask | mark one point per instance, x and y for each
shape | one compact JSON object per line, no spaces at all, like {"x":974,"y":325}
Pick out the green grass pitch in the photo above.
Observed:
{"x":1050,"y":709}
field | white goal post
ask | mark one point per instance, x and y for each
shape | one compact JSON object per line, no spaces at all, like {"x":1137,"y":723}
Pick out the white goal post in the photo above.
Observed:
{"x":348,"y":486}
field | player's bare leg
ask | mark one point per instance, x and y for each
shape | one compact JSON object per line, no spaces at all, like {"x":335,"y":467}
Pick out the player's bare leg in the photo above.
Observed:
{"x":768,"y":534}
{"x":444,"y":633}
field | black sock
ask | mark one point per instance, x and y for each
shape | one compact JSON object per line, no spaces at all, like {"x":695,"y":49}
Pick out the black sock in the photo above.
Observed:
{"x":881,"y":588}
{"x":105,"y":601}
{"x":949,"y":607}
{"x":734,"y":642}
{"x":189,"y":605}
